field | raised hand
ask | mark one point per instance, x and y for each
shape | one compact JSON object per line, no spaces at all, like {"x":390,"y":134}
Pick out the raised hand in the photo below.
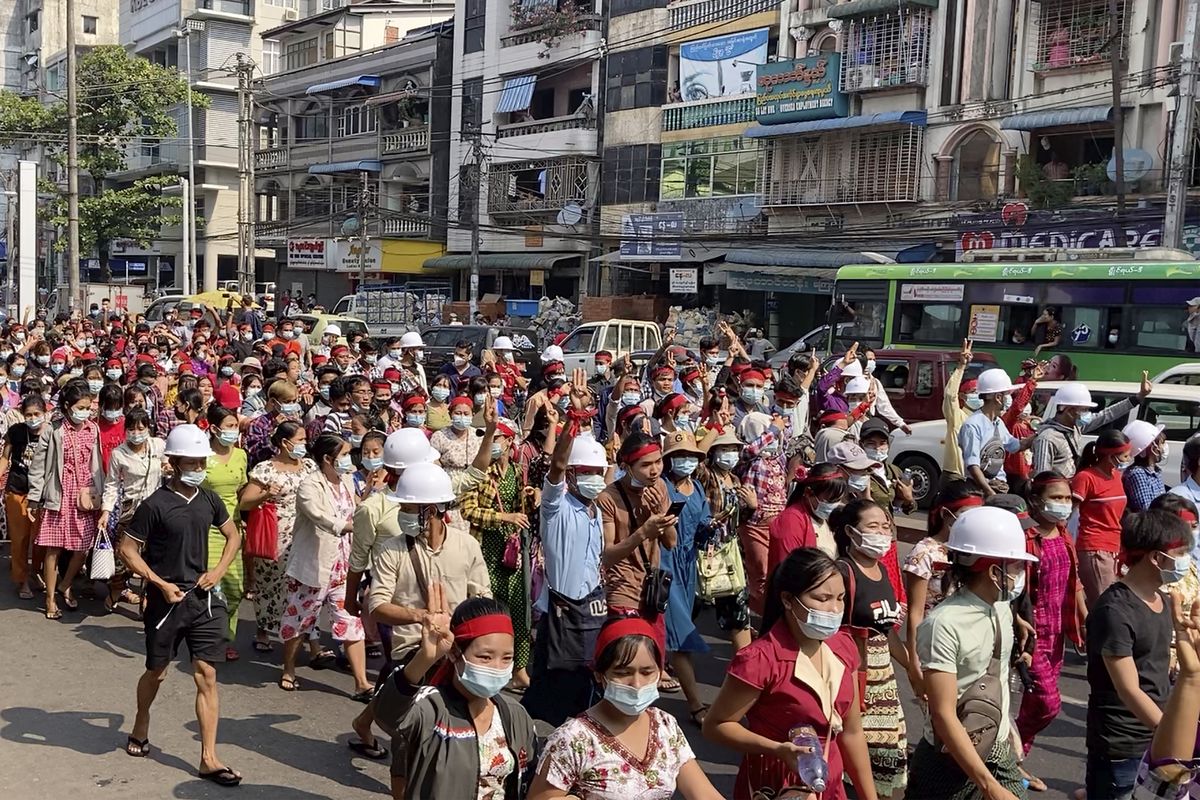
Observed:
{"x":851,"y":355}
{"x":964,"y":355}
{"x":436,"y":636}
{"x":1187,"y":636}
{"x":490,"y":414}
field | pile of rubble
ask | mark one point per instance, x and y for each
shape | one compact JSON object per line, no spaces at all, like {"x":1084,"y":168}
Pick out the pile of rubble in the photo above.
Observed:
{"x":693,"y":324}
{"x":555,"y":314}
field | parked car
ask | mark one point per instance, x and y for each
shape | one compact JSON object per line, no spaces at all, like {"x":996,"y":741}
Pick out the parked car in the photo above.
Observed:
{"x":315,"y":325}
{"x":617,"y":336}
{"x":1186,"y":373}
{"x":915,"y":380}
{"x":1175,"y":406}
{"x":816,"y":338}
{"x":440,"y":341}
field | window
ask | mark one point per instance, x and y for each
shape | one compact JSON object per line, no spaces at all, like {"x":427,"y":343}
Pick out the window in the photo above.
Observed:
{"x":473,"y":25}
{"x":90,"y":23}
{"x":1180,"y":417}
{"x":929,"y":322}
{"x":54,"y":77}
{"x":976,"y":168}
{"x":886,"y":51}
{"x":637,"y":78}
{"x":709,"y":168}
{"x":1076,"y":33}
{"x":630,"y":174}
{"x":270,"y":57}
{"x":33,"y":21}
{"x":355,"y":120}
{"x":167,"y":56}
{"x":852,"y":166}
{"x":472,"y":104}
{"x":312,"y":127}
{"x":283,"y":3}
{"x":301,"y":54}
{"x":580,"y":341}
{"x":1159,"y":328}
{"x":893,"y":374}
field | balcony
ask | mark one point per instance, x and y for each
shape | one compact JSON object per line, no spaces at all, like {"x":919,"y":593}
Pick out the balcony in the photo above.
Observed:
{"x":270,"y":233}
{"x":707,"y":113}
{"x":854,"y":166}
{"x":734,"y":214}
{"x":690,"y":13}
{"x":274,"y":158}
{"x":405,"y":140}
{"x":526,"y":49}
{"x":573,"y":133}
{"x":528,"y":188}
{"x":406,"y":226}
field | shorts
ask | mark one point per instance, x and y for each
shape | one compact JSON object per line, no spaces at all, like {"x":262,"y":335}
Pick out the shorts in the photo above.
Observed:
{"x":733,"y":611}
{"x":304,"y":603}
{"x":201,"y":619}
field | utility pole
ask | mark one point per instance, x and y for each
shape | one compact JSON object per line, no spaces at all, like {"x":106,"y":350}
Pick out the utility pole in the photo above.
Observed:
{"x":1114,"y":56}
{"x":72,"y":164}
{"x":1182,"y":135}
{"x":245,"y":176}
{"x":185,"y":227}
{"x":477,"y":183}
{"x":184,"y":34}
{"x":364,"y":202}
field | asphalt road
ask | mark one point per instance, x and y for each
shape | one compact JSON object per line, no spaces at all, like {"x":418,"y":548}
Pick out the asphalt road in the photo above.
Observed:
{"x":67,"y":702}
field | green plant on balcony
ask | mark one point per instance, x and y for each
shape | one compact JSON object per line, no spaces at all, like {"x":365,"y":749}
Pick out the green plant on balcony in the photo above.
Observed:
{"x":552,"y":22}
{"x":1041,"y":191}
{"x":1091,"y":179}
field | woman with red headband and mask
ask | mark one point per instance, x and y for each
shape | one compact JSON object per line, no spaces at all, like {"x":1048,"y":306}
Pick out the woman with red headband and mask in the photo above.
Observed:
{"x":594,"y":756}
{"x":460,"y":737}
{"x":1099,"y":493}
{"x":805,"y":521}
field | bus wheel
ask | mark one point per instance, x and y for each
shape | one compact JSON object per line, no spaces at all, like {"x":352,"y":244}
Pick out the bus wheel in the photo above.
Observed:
{"x":925,"y":477}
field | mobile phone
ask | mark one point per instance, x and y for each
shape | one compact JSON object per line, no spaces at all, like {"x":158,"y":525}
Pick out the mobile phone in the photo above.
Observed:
{"x":676,"y":508}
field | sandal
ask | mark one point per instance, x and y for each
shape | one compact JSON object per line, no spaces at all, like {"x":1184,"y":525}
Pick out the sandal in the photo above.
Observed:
{"x":323,"y":660}
{"x":25,"y":593}
{"x":69,"y":600}
{"x":289,"y":684}
{"x":375,"y":752}
{"x":131,"y":597}
{"x":1034,"y":783}
{"x":231,"y":654}
{"x":110,"y":605}
{"x":668,"y":685}
{"x":364,"y":696}
{"x":222,"y":777}
{"x":55,"y":614}
{"x":263,"y":647}
{"x":138,"y":748}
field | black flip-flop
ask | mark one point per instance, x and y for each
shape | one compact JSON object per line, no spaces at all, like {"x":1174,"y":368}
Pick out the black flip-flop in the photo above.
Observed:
{"x":364,"y":696}
{"x":263,"y":647}
{"x":289,"y":684}
{"x":376,"y":752}
{"x":222,"y":777}
{"x":142,"y":745}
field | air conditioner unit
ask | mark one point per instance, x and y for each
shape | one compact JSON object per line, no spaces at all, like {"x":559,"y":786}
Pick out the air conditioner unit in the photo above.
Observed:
{"x":291,"y":14}
{"x":860,"y":77}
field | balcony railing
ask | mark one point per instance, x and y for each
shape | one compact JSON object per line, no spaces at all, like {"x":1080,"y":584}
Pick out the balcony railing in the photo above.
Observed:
{"x":706,"y":113}
{"x":689,"y":13}
{"x":270,"y":230}
{"x":567,"y":123}
{"x":271,"y":159}
{"x":587,"y":22}
{"x":406,"y":140}
{"x":405,"y":226}
{"x":559,"y":181}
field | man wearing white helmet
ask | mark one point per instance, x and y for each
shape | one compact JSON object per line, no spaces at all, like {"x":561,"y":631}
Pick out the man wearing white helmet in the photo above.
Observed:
{"x":984,"y":438}
{"x":404,"y":568}
{"x":1059,"y":440}
{"x":167,"y":543}
{"x":957,"y":644}
{"x":503,"y":361}
{"x":405,"y":354}
{"x":572,"y":534}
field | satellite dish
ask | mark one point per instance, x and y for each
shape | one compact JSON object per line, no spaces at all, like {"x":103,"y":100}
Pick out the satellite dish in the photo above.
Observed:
{"x":1137,"y":165}
{"x":350,"y":226}
{"x":570,"y":214}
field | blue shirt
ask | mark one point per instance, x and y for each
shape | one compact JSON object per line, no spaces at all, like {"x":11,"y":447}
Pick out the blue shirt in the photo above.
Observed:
{"x":976,"y":432}
{"x":572,"y":541}
{"x":458,"y":382}
{"x":1142,"y":485}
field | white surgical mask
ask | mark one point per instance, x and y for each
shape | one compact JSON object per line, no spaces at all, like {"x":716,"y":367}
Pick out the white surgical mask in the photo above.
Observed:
{"x":684,"y":466}
{"x":344,"y":465}
{"x":440,"y":393}
{"x":228,"y":437}
{"x":496,"y":391}
{"x":859,"y":482}
{"x":590,"y":486}
{"x":193,"y":478}
{"x":819,"y":625}
{"x":602,"y":369}
{"x":1058,"y":511}
{"x":876,"y":453}
{"x":484,"y":682}
{"x":630,"y":701}
{"x":872,"y":545}
{"x":974,"y":402}
{"x":728,"y":459}
{"x":870,"y":367}
{"x":460,"y":423}
{"x":825,"y":509}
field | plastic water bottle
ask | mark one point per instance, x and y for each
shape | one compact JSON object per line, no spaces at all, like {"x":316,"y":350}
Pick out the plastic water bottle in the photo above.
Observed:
{"x":810,"y":767}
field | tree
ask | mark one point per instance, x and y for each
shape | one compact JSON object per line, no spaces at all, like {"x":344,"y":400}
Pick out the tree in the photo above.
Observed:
{"x":121,"y":100}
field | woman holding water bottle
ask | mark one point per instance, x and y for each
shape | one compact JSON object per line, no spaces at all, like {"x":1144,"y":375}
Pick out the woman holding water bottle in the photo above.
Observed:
{"x":793,"y":685}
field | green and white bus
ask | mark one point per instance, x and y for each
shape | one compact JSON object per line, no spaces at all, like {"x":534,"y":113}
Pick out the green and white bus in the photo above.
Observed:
{"x":1113,"y":319}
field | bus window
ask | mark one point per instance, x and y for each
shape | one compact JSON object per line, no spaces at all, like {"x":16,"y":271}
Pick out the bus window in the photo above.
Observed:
{"x":927,"y":322}
{"x":1083,"y":328}
{"x":1017,"y":322}
{"x":1159,"y":328}
{"x":1180,"y":418}
{"x":924,"y":378}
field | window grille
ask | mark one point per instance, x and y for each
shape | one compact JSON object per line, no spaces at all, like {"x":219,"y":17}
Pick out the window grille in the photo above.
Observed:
{"x":887,"y":50}
{"x":865,"y":166}
{"x":537,"y":186}
{"x":1074,"y":33}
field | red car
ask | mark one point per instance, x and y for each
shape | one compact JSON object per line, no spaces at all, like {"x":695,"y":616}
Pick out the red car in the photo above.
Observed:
{"x":915,"y":380}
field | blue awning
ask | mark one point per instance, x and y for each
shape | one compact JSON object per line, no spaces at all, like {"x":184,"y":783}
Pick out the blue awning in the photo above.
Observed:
{"x":359,"y":80}
{"x":917,"y":118}
{"x":344,"y":166}
{"x":517,"y":94}
{"x":1051,"y":118}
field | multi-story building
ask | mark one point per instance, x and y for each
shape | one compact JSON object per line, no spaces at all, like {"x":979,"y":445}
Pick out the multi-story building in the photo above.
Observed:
{"x":524,"y":138}
{"x":360,"y":139}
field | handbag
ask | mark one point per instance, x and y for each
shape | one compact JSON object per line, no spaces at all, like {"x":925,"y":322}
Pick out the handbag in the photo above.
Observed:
{"x":262,"y":532}
{"x":512,"y":551}
{"x":656,"y":586}
{"x":720,"y":569}
{"x":104,"y":560}
{"x":87,"y":500}
{"x":979,"y":708}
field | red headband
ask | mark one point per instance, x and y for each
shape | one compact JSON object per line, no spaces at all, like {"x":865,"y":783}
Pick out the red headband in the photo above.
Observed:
{"x":1128,"y":554}
{"x":482,"y":626}
{"x":380,"y":383}
{"x":1114,"y":450}
{"x":413,"y":400}
{"x":671,"y":403}
{"x":753,"y":375}
{"x":660,"y":371}
{"x":460,"y":400}
{"x":641,"y":452}
{"x":968,"y":385}
{"x":630,"y":626}
{"x":1039,"y":483}
{"x":1188,"y":516}
{"x":833,"y":416}
{"x":504,"y":429}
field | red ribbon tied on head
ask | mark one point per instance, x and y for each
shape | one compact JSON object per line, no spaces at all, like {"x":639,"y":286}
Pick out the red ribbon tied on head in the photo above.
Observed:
{"x":630,"y":626}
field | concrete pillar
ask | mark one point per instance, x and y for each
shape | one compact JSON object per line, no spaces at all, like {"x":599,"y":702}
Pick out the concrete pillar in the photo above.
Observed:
{"x":210,"y":267}
{"x":941,"y":177}
{"x":1008,"y":176}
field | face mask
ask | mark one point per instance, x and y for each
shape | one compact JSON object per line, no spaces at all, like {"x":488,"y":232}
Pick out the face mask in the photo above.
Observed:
{"x":253,"y":391}
{"x":298,"y":452}
{"x":43,"y":360}
{"x":1112,"y":338}
{"x":372,"y":464}
{"x":19,"y":336}
{"x":497,"y":451}
{"x":112,"y":415}
{"x":872,"y":545}
{"x":563,"y":402}
{"x":820,"y":625}
{"x":394,"y":388}
{"x":356,"y":440}
{"x":751,"y":395}
{"x":409,"y":522}
{"x":870,"y":367}
{"x":226,"y":371}
{"x":684,"y":423}
{"x":344,"y":465}
{"x":95,"y":386}
{"x":858,"y":482}
{"x":1179,"y":570}
{"x":484,"y":682}
{"x":17,"y":372}
{"x":1006,"y":403}
{"x":630,"y":399}
{"x":974,"y":402}
{"x":602,"y":369}
{"x":630,"y":701}
{"x":137,"y":438}
{"x":1057,"y":511}
{"x":728,"y":460}
{"x":111,"y":374}
{"x":419,"y":355}
{"x":78,"y":373}
{"x":395,"y":355}
{"x":590,"y":486}
{"x":1008,"y":595}
{"x":324,"y":392}
{"x":876,"y":454}
{"x":825,"y":509}
{"x":1163,"y":450}
{"x":80,"y":416}
{"x":1084,"y":419}
{"x":414,"y":420}
{"x":496,"y":391}
{"x":287,"y":334}
{"x":227,"y":437}
{"x":1121,"y":466}
{"x":35,"y":422}
{"x":370,"y":359}
{"x":194,"y":478}
{"x":290,"y":409}
{"x":56,"y":368}
{"x":684,"y":466}
{"x":460,"y":423}
{"x":459,"y":361}
{"x":440,"y":393}
{"x":712,"y":361}
{"x":480,"y":398}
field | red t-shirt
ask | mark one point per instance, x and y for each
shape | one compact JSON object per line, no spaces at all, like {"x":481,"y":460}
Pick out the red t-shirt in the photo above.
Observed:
{"x":111,"y":436}
{"x":768,"y":664}
{"x":1101,"y":500}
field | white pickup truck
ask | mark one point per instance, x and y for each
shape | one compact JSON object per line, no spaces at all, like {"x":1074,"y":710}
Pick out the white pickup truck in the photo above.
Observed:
{"x":617,"y":336}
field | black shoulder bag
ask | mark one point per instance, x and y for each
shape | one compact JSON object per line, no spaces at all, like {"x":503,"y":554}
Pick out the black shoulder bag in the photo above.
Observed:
{"x":656,"y":587}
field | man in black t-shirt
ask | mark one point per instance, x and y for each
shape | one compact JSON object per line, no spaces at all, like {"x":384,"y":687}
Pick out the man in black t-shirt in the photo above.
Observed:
{"x":1128,"y":645}
{"x":167,"y":542}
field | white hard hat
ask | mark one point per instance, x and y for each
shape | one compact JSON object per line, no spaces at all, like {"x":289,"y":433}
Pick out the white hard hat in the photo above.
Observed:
{"x":503,"y":343}
{"x":1141,"y":434}
{"x":994,"y":381}
{"x":188,"y":441}
{"x":1073,"y":394}
{"x":552,"y":353}
{"x":423,"y":483}
{"x":989,"y":531}
{"x":412,"y":339}
{"x":333,"y":330}
{"x":852,"y":370}
{"x":859,"y":385}
{"x":406,"y":447}
{"x":587,"y":452}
